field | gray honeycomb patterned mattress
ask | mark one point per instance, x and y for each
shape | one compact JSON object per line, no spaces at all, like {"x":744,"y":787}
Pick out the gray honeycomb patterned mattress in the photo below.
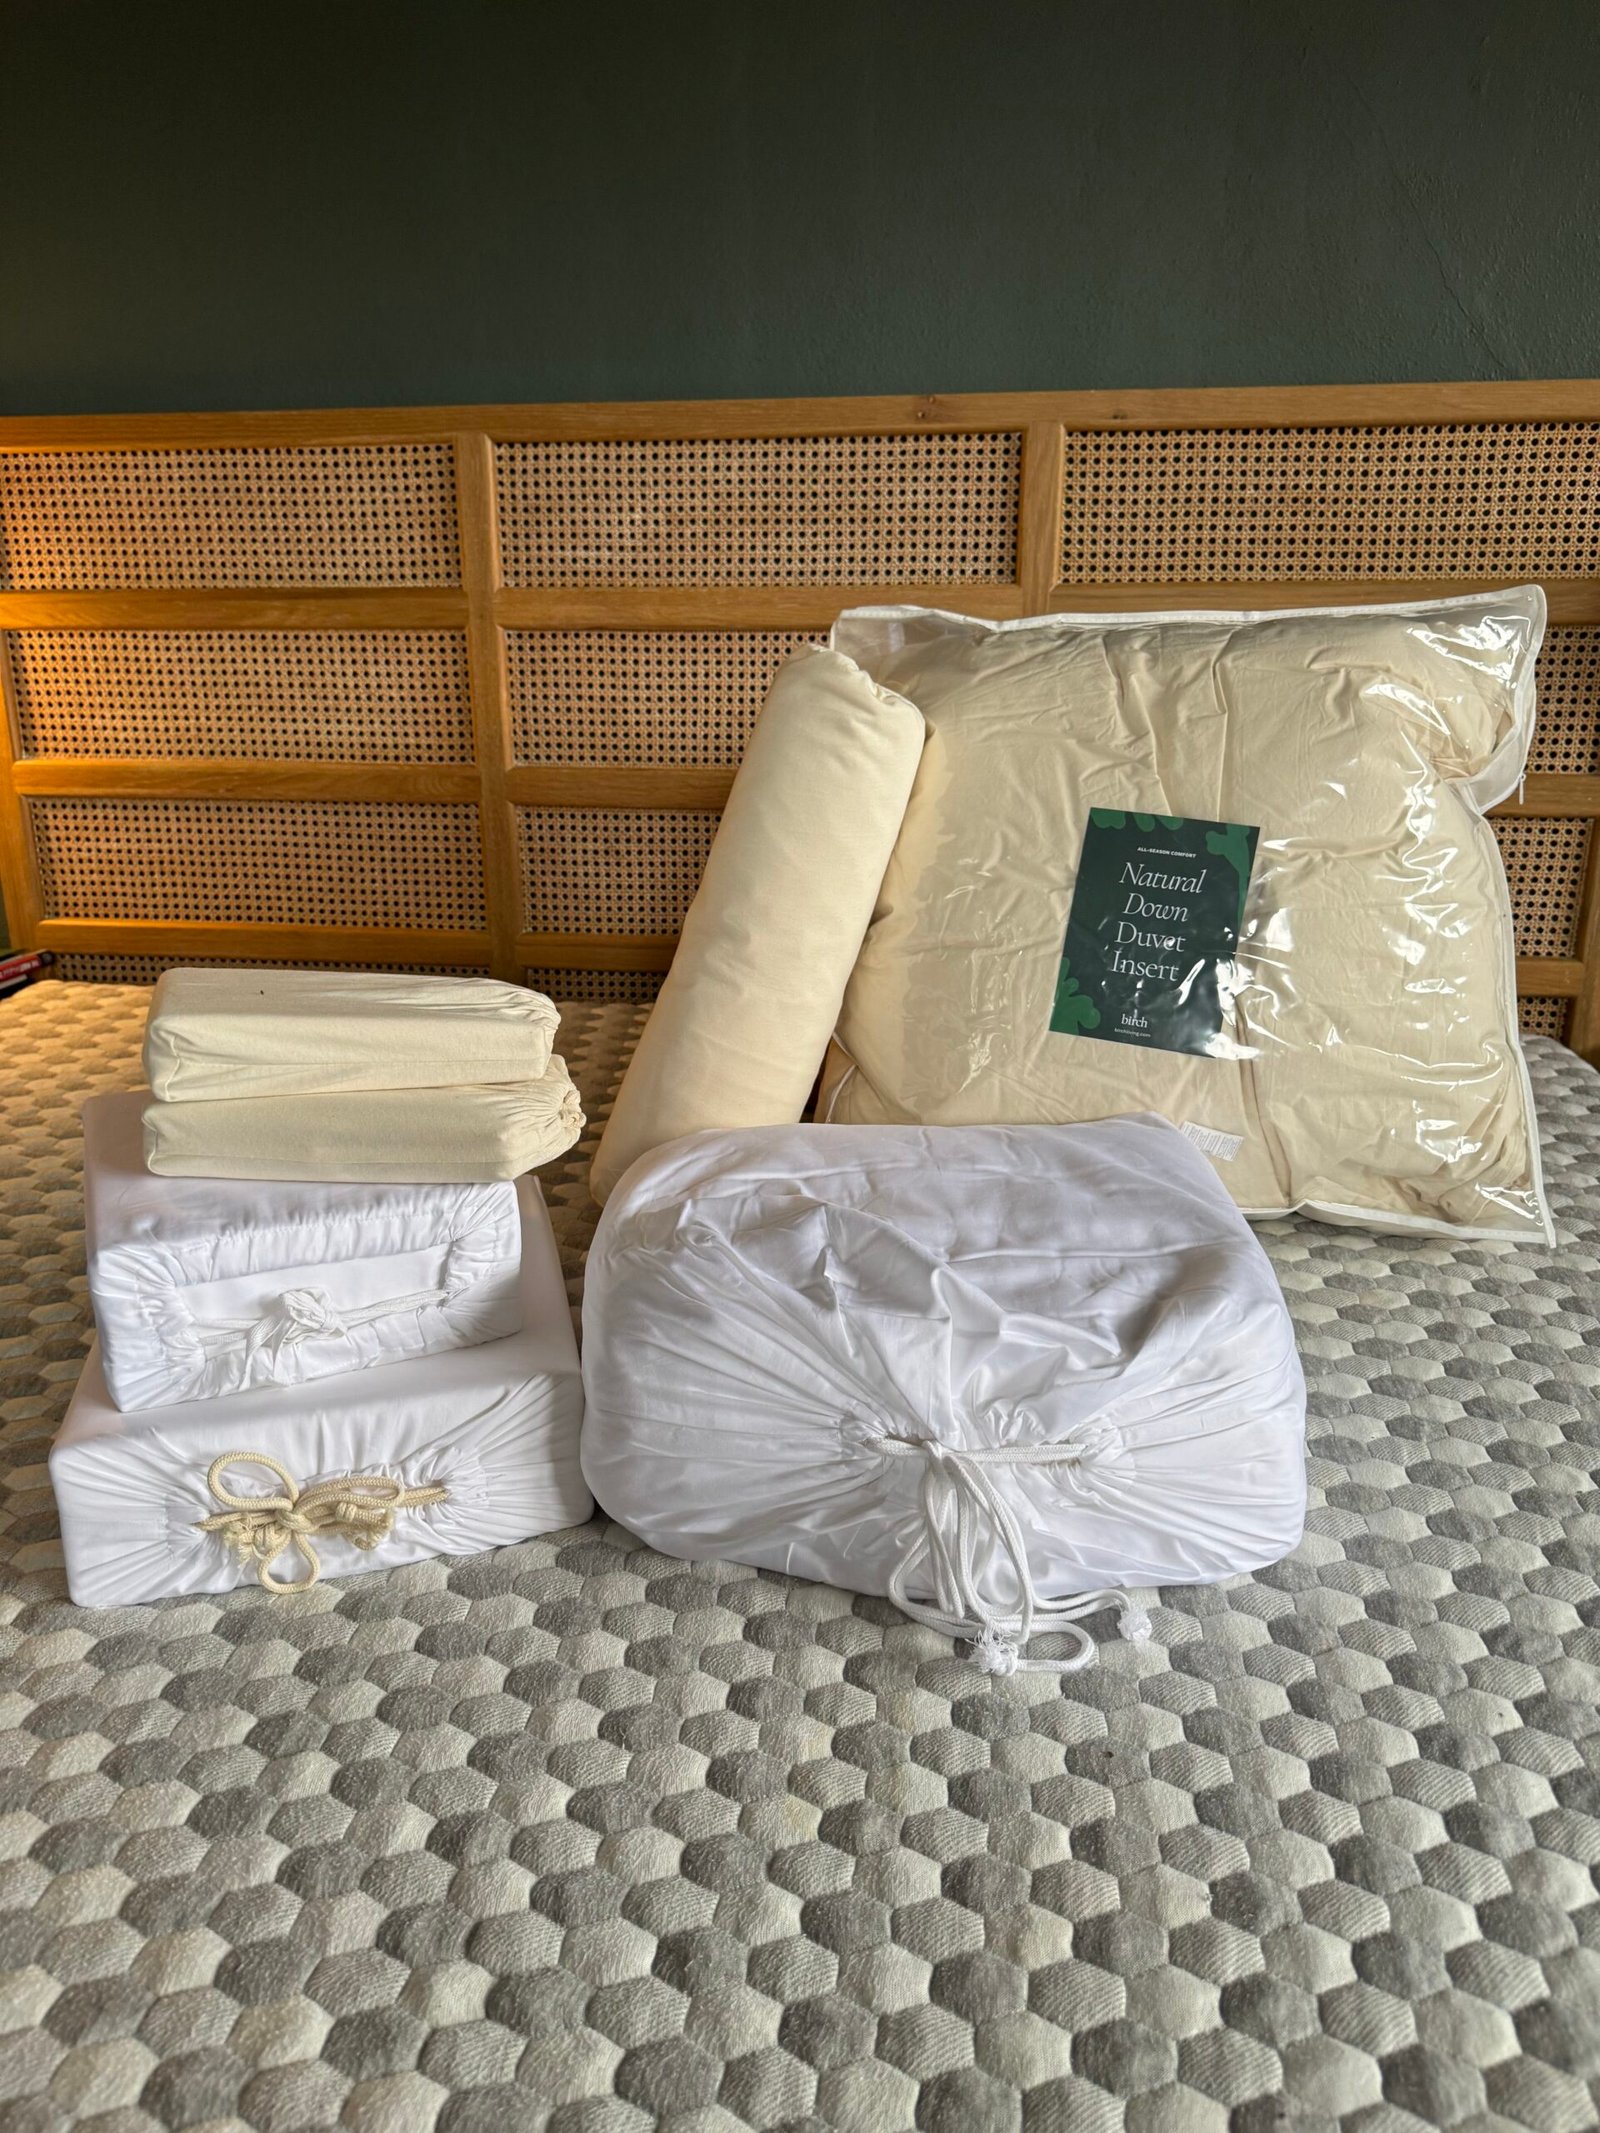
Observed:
{"x":574,"y":1836}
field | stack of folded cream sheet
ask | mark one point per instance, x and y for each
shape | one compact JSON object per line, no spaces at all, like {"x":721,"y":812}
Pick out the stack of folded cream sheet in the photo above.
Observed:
{"x":332,"y":1331}
{"x":353,"y":1075}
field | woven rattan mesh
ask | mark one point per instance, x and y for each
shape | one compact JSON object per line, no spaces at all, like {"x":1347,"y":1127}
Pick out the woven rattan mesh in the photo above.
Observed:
{"x":641,"y":696}
{"x":1544,"y":866}
{"x":611,"y":870}
{"x":145,"y":969}
{"x":624,"y":696}
{"x":357,"y":514}
{"x":1514,"y":500}
{"x":1545,"y":1018}
{"x":1567,"y":740}
{"x":761,"y":510}
{"x":363,"y":696}
{"x":311,"y":862}
{"x":636,"y":985}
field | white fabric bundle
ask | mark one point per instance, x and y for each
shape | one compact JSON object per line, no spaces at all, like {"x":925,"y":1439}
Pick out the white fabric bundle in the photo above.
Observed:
{"x":439,"y":1455}
{"x":985,"y":1371}
{"x":219,"y":1034}
{"x":207,"y":1286}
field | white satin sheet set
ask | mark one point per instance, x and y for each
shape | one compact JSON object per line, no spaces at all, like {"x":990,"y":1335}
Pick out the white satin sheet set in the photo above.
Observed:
{"x":206,"y":1286}
{"x":452,"y":1452}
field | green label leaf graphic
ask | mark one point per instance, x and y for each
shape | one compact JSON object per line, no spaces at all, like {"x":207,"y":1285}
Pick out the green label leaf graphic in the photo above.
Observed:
{"x":1072,"y":1011}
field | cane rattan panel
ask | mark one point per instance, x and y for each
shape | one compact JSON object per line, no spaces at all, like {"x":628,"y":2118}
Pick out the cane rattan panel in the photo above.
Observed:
{"x":145,"y":969}
{"x":1495,"y":500}
{"x":267,"y":675}
{"x":1544,"y":867}
{"x":640,"y":986}
{"x":611,"y":870}
{"x":938,"y":509}
{"x":339,"y":696}
{"x":268,"y":862}
{"x":1545,"y":1018}
{"x":641,"y":696}
{"x":368,"y":514}
{"x":1567,"y":739}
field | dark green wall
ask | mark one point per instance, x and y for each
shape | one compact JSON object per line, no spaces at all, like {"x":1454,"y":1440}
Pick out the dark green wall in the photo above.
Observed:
{"x":267,"y":203}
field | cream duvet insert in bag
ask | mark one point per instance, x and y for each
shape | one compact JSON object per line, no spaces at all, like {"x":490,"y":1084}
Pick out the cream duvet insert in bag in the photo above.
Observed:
{"x":1230,"y":868}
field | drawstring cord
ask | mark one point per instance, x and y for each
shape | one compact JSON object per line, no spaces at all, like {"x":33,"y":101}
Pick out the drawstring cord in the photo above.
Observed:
{"x":309,"y":1314}
{"x":358,"y":1508}
{"x":303,"y":1315}
{"x":966,"y":1527}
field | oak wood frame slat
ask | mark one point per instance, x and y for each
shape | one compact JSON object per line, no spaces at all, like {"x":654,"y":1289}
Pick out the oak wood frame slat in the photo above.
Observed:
{"x":477,"y":516}
{"x":605,"y":785}
{"x":19,"y":858}
{"x":1207,"y":407}
{"x":270,"y":942}
{"x":226,"y":608}
{"x":483,"y":609}
{"x":241,"y":778}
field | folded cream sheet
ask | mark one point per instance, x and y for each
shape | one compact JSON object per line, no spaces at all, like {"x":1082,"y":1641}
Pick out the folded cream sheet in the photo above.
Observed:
{"x":222,"y":1035}
{"x":460,"y":1136}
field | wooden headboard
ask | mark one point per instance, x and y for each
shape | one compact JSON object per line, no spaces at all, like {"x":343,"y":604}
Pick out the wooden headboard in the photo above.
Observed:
{"x":465,"y":687}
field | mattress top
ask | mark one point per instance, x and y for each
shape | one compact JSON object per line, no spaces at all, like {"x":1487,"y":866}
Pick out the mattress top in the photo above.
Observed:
{"x":1312,"y":1840}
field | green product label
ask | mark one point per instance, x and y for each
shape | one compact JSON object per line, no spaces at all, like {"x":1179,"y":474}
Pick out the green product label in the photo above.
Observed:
{"x":1153,"y":931}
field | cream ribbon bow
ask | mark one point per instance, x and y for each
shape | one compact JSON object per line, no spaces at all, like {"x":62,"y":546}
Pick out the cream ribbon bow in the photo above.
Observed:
{"x":358,"y":1508}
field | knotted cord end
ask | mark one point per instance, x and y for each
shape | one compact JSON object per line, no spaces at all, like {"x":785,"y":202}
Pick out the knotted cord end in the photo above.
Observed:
{"x":994,"y":1653}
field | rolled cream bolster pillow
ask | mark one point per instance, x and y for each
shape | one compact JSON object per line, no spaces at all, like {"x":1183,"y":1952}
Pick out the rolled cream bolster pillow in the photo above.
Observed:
{"x":457,"y":1136}
{"x":744,"y":1017}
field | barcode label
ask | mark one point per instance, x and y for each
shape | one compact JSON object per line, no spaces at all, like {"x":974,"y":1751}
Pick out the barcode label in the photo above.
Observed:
{"x":1221,"y":1147}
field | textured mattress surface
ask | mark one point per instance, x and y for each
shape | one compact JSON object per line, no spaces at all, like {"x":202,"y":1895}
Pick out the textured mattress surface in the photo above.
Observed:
{"x":572,"y":1835}
{"x":203,"y":1286}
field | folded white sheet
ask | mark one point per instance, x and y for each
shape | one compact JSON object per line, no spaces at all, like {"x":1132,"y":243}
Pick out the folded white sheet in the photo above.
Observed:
{"x":416,"y":1136}
{"x":985,"y":1371}
{"x":219,"y":1034}
{"x":440,"y":1455}
{"x":205,"y":1286}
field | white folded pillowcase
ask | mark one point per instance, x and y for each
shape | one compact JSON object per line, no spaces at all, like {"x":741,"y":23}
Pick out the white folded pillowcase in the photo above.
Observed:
{"x":981,"y":1370}
{"x":207,"y":1286}
{"x":1063,"y":900}
{"x":223,"y":1034}
{"x":458,"y":1135}
{"x":744,"y":1017}
{"x":444,"y":1454}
